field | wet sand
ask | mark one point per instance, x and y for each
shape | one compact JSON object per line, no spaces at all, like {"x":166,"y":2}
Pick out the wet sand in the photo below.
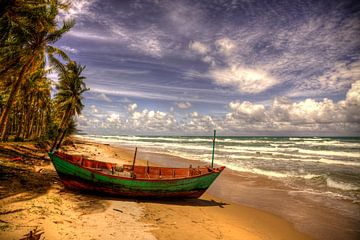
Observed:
{"x":31,"y":196}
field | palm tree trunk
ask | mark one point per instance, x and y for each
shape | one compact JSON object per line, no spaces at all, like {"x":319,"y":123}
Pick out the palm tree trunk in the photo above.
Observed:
{"x":61,"y":138}
{"x":10,"y":101}
{"x":61,"y":129}
{"x":5,"y":131}
{"x":30,"y":119}
{"x":39,"y":125}
{"x":20,"y":126}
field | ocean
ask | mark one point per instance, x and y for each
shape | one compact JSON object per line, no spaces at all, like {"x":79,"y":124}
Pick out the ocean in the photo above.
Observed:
{"x":314,"y":182}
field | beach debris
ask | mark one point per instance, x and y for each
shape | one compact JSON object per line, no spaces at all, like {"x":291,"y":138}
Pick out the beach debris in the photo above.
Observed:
{"x":33,"y":235}
{"x":12,"y":211}
{"x":118,"y":210}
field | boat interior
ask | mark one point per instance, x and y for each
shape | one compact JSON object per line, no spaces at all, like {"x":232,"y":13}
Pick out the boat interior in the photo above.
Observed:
{"x":139,"y":172}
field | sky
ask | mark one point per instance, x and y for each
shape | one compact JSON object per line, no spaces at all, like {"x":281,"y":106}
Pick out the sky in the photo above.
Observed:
{"x":243,"y":67}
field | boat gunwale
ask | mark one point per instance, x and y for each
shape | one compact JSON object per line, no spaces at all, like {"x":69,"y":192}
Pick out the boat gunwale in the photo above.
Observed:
{"x":214,"y":171}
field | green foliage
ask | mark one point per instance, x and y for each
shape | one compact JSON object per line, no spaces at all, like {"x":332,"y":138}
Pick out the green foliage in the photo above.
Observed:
{"x":69,"y":98}
{"x":27,"y":31}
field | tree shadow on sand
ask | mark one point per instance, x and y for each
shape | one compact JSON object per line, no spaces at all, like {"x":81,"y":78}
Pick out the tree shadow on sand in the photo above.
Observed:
{"x":85,"y":203}
{"x":22,"y":182}
{"x":23,"y":173}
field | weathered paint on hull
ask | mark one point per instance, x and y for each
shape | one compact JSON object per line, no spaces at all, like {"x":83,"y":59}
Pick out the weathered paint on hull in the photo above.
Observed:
{"x":74,"y":183}
{"x":80,"y":178}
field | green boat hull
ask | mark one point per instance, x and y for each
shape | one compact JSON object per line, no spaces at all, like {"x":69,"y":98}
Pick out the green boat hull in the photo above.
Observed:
{"x":80,"y":178}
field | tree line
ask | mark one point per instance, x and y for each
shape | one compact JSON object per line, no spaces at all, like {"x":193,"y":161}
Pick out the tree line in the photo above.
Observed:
{"x":28,"y":31}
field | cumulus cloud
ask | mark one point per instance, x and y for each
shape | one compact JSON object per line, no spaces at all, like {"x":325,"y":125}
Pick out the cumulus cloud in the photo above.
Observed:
{"x":282,"y":115}
{"x":245,"y":80}
{"x":114,"y":118}
{"x":150,"y":120}
{"x":132,"y":107}
{"x":305,"y":115}
{"x":307,"y":111}
{"x":183,"y":105}
{"x":247,"y":111}
{"x":198,"y":123}
{"x":352,"y":103}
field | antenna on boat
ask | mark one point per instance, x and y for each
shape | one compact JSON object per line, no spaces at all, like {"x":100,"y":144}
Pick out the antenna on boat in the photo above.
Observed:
{"x":213,"y":150}
{"x":133,"y":164}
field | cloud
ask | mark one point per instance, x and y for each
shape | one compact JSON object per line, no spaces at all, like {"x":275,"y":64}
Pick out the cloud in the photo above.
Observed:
{"x":114,"y":118}
{"x":132,"y":107}
{"x":69,"y":49}
{"x":184,"y":105}
{"x":314,"y":56}
{"x":153,"y":121}
{"x":161,"y":92}
{"x":245,"y":80}
{"x":306,"y":115}
{"x":281,"y":116}
{"x":307,"y":111}
{"x":199,"y":48}
{"x":94,"y":109}
{"x":246,"y":110}
{"x":291,"y":72}
{"x":226,"y":46}
{"x":198,"y":123}
{"x":352,"y":103}
{"x":52,"y":75}
{"x":89,"y":35}
{"x":336,"y":79}
{"x":98,"y":96}
{"x":185,"y":19}
{"x":77,"y":7}
{"x":146,"y":40}
{"x":150,"y":47}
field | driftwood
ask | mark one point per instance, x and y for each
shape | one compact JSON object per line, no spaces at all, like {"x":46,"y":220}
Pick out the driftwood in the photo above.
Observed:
{"x":33,"y":235}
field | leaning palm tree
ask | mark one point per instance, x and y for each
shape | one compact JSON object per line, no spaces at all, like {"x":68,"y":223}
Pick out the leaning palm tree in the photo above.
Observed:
{"x":28,"y":28}
{"x":69,"y":97}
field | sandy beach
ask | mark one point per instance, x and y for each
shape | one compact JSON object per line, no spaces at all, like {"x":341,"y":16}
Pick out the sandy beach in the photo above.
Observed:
{"x":32,"y":197}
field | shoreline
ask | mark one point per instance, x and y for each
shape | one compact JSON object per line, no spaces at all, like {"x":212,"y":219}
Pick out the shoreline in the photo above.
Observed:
{"x":207,"y":218}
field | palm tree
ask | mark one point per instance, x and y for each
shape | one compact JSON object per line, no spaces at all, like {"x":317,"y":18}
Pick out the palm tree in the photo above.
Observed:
{"x":69,"y":97}
{"x":28,"y":28}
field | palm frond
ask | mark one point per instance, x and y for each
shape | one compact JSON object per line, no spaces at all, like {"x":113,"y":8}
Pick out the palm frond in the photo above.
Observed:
{"x":56,"y":35}
{"x":51,"y":50}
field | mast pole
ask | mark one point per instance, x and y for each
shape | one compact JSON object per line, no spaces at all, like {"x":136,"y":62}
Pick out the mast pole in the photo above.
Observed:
{"x":213,"y":150}
{"x":133,"y":164}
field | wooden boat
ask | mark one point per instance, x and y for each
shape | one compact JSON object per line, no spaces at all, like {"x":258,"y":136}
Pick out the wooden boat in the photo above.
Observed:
{"x":79,"y":173}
